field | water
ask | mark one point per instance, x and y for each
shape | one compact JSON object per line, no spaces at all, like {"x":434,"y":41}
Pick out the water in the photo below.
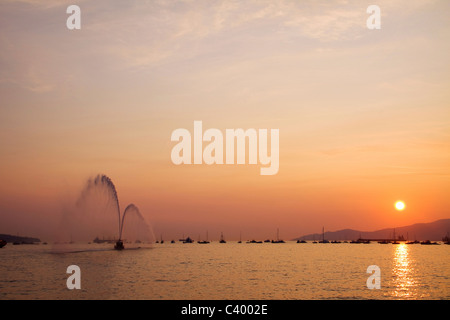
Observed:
{"x":133,"y":226}
{"x":96,"y":213}
{"x":227,"y":271}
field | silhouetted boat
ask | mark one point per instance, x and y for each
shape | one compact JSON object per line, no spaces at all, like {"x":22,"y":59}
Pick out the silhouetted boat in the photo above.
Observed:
{"x":323,"y":237}
{"x":360,"y":240}
{"x":335,"y":241}
{"x":119,"y":245}
{"x":428,"y":242}
{"x":188,"y":240}
{"x":410,"y":242}
{"x":278,"y":238}
{"x":395,"y":239}
{"x":221,"y":238}
{"x":204,"y":241}
{"x":173,"y":241}
{"x":301,"y":241}
{"x":3,"y":243}
{"x":97,"y":240}
{"x":254,"y":241}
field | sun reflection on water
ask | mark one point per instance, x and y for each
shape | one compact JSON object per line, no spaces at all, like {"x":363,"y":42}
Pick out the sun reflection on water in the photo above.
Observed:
{"x":404,"y":280}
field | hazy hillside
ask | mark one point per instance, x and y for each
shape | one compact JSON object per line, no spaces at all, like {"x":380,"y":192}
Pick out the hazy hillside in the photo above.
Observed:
{"x":11,"y":239}
{"x":421,"y":231}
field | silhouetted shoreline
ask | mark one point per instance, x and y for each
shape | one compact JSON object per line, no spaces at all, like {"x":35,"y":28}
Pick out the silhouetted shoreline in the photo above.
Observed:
{"x":419,"y":231}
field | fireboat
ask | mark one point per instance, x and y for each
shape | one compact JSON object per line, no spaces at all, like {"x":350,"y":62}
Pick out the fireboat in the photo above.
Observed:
{"x":119,"y":245}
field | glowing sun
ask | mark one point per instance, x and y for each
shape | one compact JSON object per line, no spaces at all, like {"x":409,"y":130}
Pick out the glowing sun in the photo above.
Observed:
{"x":400,"y":205}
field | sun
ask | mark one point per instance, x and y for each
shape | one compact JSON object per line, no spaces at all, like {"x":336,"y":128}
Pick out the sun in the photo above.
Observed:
{"x":400,"y":205}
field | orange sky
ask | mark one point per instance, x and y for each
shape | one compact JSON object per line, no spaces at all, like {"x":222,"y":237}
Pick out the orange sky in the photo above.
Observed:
{"x":363,"y":114}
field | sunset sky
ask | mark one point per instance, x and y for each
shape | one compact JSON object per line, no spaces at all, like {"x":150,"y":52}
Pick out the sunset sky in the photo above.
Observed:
{"x":364,"y":115}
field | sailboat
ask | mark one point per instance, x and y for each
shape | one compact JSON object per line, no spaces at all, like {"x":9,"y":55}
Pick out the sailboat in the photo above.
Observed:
{"x":221,"y":238}
{"x":188,"y":240}
{"x":278,"y":238}
{"x":205,"y":241}
{"x":357,"y":240}
{"x":395,"y":239}
{"x":240,"y":237}
{"x":254,"y":241}
{"x":323,"y":237}
{"x":428,"y":242}
{"x":412,"y":242}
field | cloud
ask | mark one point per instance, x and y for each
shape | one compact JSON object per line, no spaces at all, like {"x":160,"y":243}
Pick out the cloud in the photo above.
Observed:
{"x":120,"y":35}
{"x":45,"y":4}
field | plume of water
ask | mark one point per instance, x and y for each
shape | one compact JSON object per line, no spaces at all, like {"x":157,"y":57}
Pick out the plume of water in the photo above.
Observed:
{"x":134,"y":228}
{"x":102,"y":190}
{"x":96,"y":215}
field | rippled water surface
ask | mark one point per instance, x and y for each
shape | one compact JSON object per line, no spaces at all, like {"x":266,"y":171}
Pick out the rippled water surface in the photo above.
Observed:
{"x":227,"y":271}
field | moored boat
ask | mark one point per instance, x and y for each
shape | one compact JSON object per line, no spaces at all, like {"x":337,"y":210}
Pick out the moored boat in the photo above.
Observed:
{"x":188,"y":240}
{"x":222,"y":240}
{"x":428,"y":242}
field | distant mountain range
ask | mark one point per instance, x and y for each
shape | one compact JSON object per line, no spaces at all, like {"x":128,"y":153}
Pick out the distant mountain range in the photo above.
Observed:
{"x":22,"y":240}
{"x":420,"y":231}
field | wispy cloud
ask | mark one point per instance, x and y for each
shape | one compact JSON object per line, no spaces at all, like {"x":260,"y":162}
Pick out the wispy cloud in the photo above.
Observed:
{"x":145,"y":34}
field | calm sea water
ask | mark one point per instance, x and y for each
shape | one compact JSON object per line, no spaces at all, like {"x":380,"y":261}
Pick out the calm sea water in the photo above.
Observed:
{"x":227,"y":271}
